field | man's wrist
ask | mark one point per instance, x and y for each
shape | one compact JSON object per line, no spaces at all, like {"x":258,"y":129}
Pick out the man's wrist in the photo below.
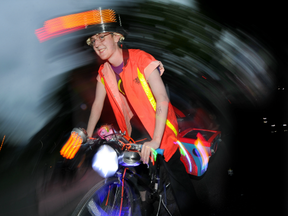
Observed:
{"x":157,"y":141}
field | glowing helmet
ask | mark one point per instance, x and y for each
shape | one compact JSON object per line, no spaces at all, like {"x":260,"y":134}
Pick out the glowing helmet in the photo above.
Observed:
{"x":108,"y":21}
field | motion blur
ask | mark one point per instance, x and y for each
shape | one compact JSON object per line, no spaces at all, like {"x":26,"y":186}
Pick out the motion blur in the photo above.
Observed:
{"x":47,"y":90}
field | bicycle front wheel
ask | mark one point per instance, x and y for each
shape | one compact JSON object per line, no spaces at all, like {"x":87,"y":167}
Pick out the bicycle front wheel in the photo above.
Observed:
{"x":104,"y":199}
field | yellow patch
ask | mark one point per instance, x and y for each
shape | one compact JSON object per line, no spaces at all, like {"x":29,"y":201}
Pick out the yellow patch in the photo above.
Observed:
{"x":150,"y":96}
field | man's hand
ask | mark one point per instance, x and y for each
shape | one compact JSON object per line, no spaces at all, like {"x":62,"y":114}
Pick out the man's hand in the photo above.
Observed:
{"x":147,"y":151}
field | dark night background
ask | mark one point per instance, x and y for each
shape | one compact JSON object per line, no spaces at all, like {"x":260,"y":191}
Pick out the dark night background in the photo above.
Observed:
{"x":267,"y":21}
{"x":257,"y":157}
{"x":267,"y":172}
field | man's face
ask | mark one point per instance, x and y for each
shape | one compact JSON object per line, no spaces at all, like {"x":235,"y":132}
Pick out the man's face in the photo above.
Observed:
{"x":105,"y":44}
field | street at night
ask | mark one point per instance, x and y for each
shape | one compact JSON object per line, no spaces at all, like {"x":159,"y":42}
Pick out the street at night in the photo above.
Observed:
{"x":225,"y":70}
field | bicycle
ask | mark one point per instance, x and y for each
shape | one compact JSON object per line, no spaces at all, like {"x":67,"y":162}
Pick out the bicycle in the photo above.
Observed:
{"x":117,"y":194}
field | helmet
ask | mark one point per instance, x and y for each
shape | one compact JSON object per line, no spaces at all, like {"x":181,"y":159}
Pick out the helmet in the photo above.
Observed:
{"x":108,"y":22}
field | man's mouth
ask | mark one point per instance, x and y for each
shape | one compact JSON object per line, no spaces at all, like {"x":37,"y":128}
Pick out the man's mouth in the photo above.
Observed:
{"x":101,"y":50}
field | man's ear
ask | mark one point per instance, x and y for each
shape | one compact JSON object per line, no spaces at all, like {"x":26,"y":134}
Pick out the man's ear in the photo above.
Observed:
{"x":116,"y":38}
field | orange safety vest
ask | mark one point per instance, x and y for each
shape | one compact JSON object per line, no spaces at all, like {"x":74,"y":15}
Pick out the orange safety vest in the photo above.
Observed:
{"x":140,"y":97}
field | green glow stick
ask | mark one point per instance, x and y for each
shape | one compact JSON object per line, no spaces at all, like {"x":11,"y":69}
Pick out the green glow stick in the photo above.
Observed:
{"x":154,"y":154}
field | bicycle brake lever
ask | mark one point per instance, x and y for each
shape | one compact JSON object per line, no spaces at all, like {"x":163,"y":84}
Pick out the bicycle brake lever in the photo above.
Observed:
{"x":92,"y":140}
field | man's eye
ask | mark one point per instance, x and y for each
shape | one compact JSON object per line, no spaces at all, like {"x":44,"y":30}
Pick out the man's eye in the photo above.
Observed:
{"x":102,"y":37}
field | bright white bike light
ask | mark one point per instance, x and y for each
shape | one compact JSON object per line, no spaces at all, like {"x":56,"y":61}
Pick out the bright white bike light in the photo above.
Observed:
{"x":105,"y":161}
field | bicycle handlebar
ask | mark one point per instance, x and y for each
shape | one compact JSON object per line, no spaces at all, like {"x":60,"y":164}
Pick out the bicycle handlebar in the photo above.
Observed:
{"x":134,"y":146}
{"x":160,"y":151}
{"x":138,"y":147}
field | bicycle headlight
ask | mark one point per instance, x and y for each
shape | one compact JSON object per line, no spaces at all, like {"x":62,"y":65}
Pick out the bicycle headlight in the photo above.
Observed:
{"x":129,"y":158}
{"x":105,"y":161}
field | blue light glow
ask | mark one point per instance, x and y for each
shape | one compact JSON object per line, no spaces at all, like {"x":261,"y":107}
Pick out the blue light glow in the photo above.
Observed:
{"x":105,"y":161}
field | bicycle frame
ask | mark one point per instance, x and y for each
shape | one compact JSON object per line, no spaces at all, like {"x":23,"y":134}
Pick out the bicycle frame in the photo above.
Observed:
{"x":126,"y":176}
{"x":154,"y":188}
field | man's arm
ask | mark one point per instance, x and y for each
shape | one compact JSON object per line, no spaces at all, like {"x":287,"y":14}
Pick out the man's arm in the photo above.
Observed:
{"x":96,"y":108}
{"x":162,"y":101}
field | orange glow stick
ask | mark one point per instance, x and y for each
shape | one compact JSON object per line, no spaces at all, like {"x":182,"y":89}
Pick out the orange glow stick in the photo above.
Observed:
{"x":68,"y":150}
{"x":67,"y":144}
{"x":72,"y":146}
{"x":75,"y":148}
{"x":2,"y":142}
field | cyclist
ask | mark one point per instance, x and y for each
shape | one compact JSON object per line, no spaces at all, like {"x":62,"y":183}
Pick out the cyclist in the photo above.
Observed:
{"x":131,"y":79}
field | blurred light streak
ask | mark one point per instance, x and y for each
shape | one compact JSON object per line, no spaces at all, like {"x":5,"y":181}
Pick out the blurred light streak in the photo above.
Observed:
{"x":188,"y":3}
{"x":2,"y":142}
{"x":185,"y":154}
{"x":204,"y":154}
{"x":194,"y":45}
{"x":43,"y":35}
{"x":73,"y":22}
{"x":239,"y":69}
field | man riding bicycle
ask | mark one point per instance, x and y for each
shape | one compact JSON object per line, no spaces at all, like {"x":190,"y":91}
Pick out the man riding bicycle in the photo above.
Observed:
{"x":131,"y":79}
